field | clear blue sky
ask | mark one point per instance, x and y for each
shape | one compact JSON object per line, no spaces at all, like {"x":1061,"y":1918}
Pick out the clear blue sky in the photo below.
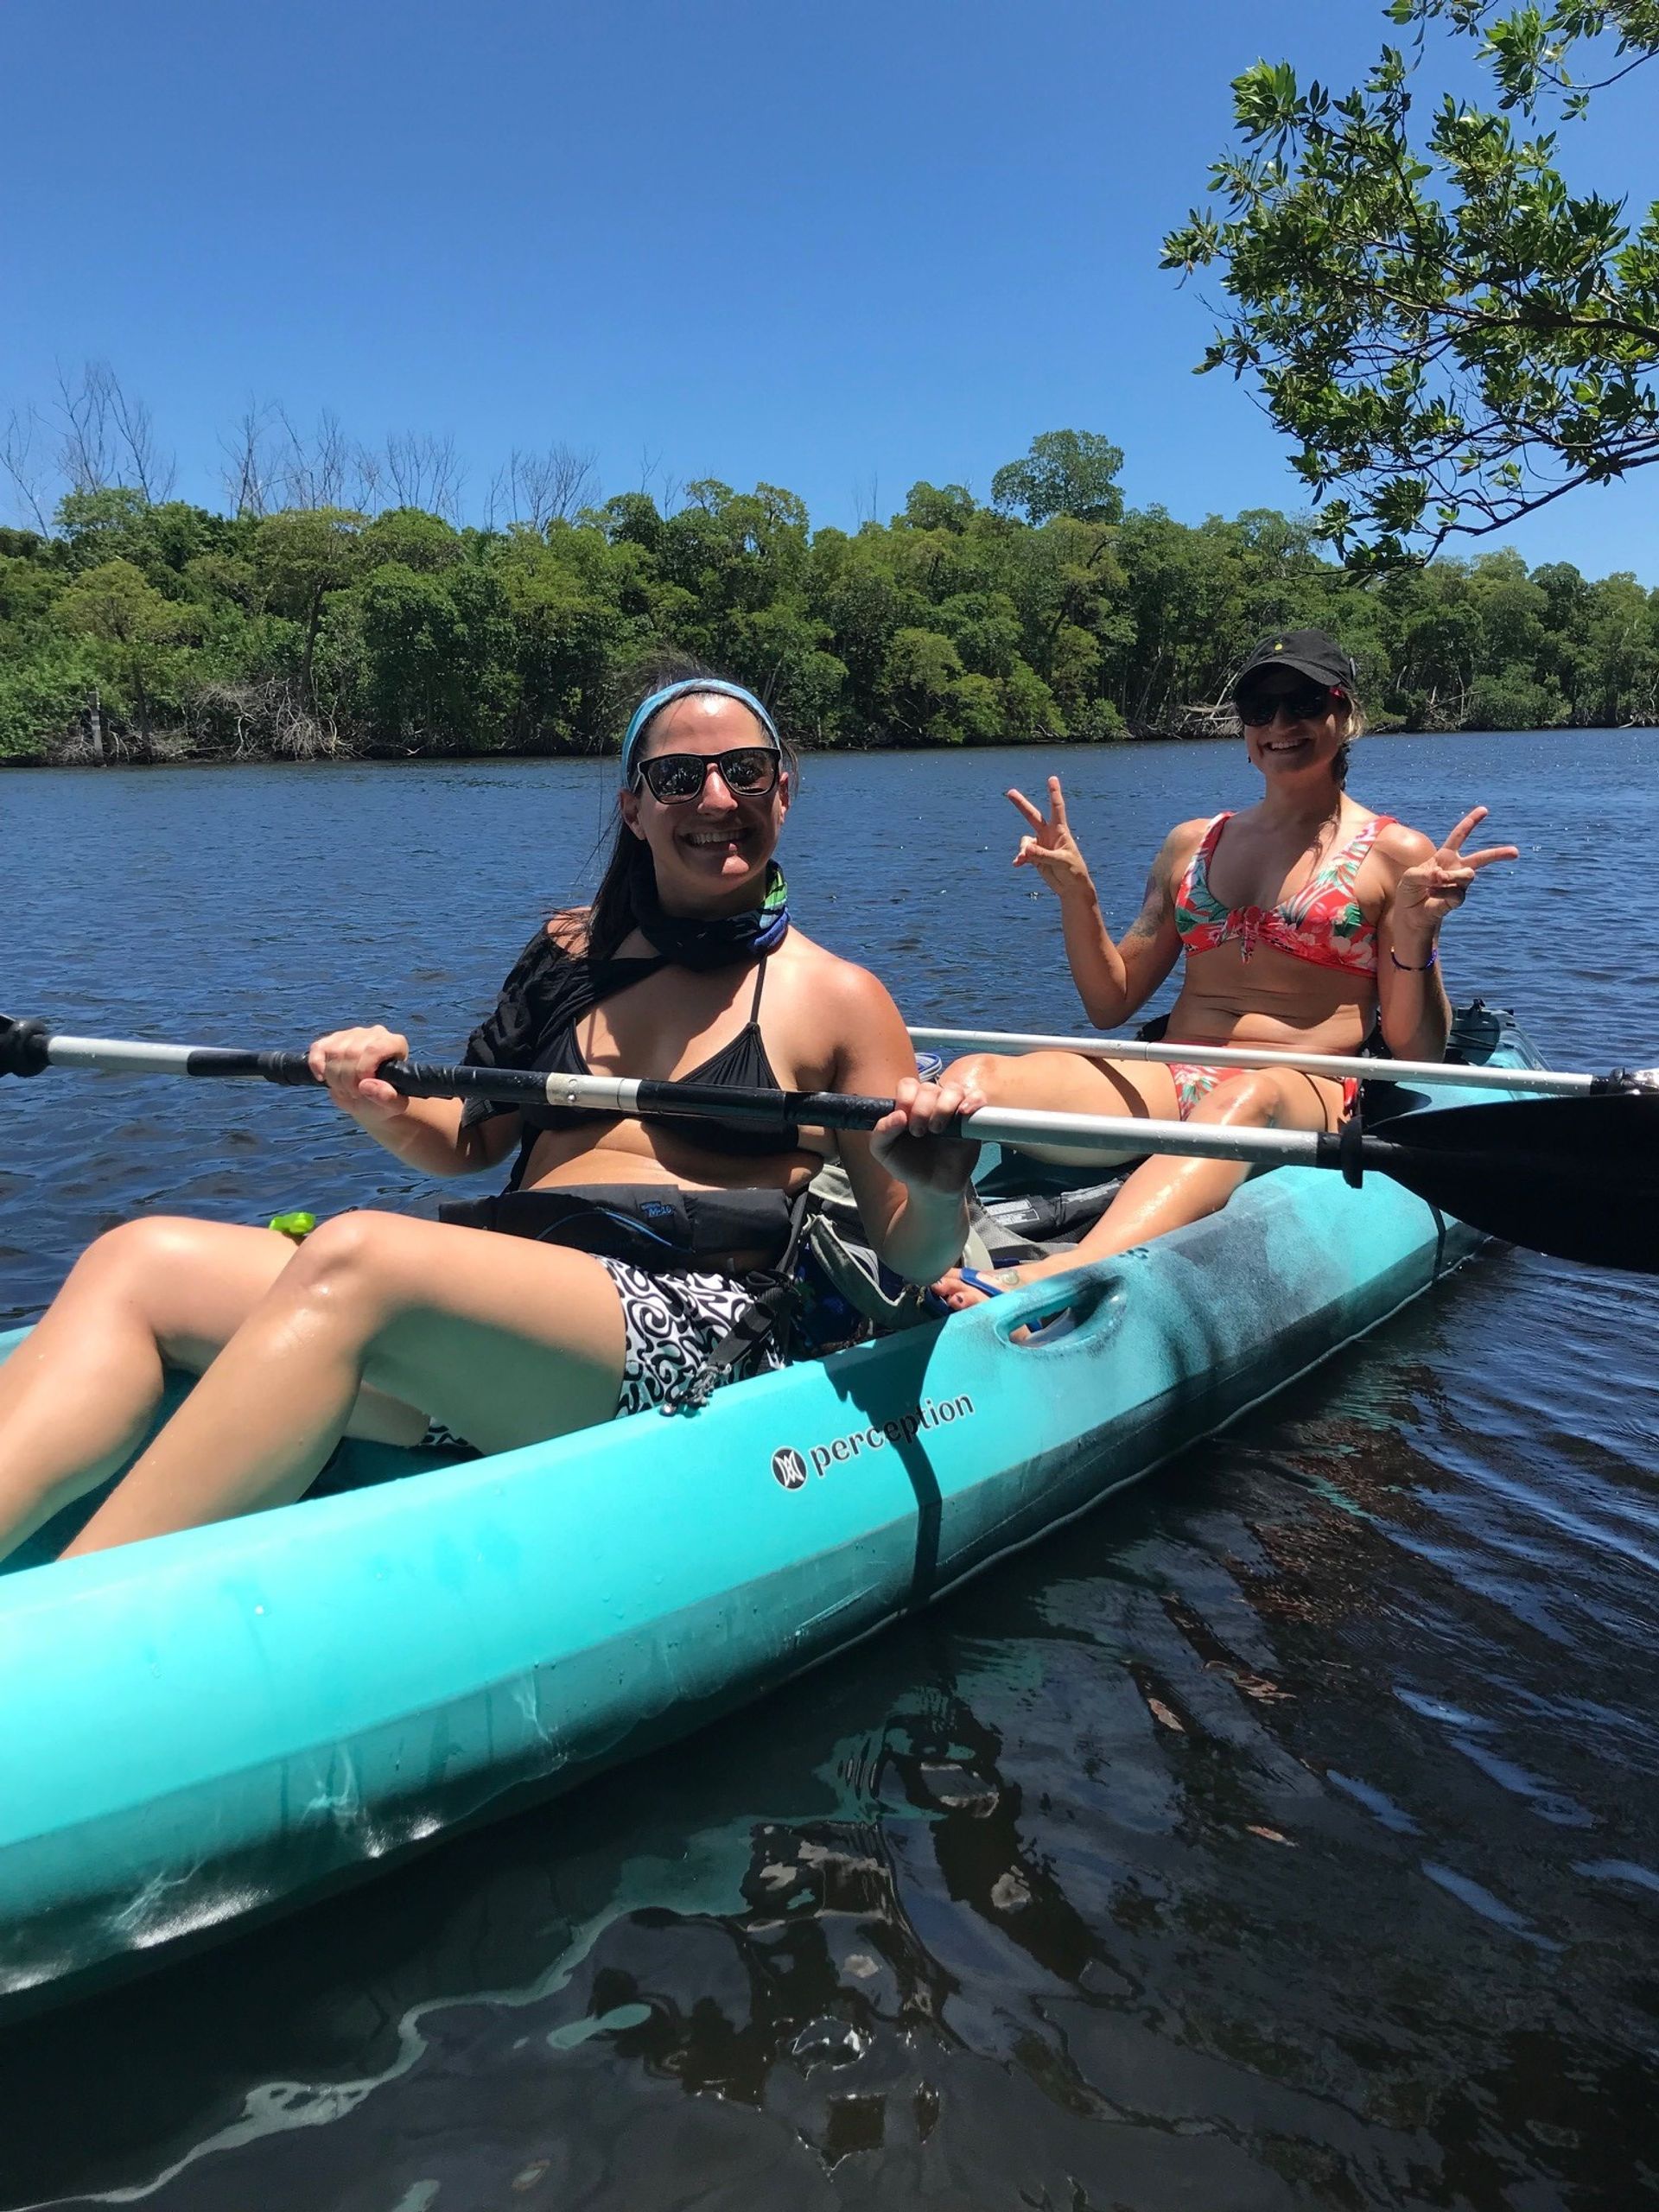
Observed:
{"x":836,"y":248}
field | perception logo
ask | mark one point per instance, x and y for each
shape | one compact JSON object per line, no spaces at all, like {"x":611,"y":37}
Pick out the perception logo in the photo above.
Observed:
{"x":791,"y":1468}
{"x":788,"y":1467}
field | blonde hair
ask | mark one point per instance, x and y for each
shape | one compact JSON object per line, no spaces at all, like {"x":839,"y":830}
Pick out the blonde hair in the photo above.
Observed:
{"x":1354,"y":726}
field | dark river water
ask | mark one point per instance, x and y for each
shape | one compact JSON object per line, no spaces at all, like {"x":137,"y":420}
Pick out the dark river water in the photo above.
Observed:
{"x":1286,"y":1834}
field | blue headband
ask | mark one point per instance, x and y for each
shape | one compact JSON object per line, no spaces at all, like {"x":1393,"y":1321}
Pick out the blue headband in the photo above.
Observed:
{"x":682,"y":690}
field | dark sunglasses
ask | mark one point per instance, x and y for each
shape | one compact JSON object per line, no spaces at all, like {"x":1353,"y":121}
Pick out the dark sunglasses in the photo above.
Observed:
{"x":1305,"y":704}
{"x":748,"y":771}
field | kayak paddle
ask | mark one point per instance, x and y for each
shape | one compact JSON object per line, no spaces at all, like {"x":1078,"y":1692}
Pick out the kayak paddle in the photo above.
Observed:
{"x":1536,"y":1083}
{"x":1577,"y":1177}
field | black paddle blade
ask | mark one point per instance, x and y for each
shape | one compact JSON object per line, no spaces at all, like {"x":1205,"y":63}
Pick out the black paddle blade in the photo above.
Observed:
{"x":1577,"y":1178}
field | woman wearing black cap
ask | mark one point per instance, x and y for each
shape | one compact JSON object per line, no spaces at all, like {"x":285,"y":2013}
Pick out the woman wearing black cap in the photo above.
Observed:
{"x":1303,"y":920}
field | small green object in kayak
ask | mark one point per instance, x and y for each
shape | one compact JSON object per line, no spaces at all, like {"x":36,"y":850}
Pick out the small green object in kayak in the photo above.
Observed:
{"x":299,"y":1226}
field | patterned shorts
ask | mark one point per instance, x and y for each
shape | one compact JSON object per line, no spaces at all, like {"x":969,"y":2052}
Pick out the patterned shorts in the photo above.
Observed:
{"x":670,"y":1325}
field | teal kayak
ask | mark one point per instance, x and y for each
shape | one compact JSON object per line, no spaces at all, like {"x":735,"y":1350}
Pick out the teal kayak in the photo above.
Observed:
{"x":216,"y":1723}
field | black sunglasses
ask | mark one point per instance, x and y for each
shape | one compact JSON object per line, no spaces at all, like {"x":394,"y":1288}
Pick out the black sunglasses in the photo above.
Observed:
{"x":1306,"y":704}
{"x":748,"y":771}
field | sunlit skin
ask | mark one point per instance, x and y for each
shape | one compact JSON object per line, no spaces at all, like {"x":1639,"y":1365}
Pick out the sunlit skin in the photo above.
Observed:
{"x":379,"y":1321}
{"x":1407,"y":885}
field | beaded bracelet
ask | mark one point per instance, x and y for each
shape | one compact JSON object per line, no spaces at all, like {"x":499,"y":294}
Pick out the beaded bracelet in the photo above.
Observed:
{"x":1407,"y":968}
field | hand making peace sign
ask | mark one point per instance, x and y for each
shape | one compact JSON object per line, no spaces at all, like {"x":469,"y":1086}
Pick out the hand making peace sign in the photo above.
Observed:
{"x":1049,"y":847}
{"x":1435,"y":888}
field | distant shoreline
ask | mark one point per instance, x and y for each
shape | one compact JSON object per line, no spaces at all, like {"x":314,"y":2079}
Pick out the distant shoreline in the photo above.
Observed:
{"x":178,"y":756}
{"x":161,"y":632}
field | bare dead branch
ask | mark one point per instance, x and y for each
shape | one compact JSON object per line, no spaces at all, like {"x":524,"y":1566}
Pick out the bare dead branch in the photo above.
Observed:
{"x":86,"y":453}
{"x":147,"y":468}
{"x":248,"y":470}
{"x":425,"y":471}
{"x":24,"y":467}
{"x":540,"y":488}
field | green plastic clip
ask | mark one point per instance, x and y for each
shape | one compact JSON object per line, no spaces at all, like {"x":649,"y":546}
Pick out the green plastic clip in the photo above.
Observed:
{"x":299,"y":1226}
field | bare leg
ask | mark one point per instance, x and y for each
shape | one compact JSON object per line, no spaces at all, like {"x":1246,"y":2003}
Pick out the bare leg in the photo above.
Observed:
{"x":1165,"y":1193}
{"x":1067,"y":1082}
{"x":506,"y":1340}
{"x":77,"y":1396}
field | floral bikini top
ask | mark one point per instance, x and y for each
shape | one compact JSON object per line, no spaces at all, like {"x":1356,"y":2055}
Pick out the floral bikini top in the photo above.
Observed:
{"x":1323,"y":922}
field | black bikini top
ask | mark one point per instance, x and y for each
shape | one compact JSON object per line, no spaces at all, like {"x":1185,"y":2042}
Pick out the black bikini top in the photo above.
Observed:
{"x":534,"y":1026}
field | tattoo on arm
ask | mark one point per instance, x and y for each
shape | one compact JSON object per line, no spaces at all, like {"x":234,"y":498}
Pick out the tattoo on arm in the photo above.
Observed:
{"x":1150,"y":919}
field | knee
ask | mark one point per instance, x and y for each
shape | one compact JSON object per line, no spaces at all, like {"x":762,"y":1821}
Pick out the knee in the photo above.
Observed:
{"x":351,"y":1261}
{"x":979,"y":1070}
{"x":1248,"y":1100}
{"x":138,"y":1252}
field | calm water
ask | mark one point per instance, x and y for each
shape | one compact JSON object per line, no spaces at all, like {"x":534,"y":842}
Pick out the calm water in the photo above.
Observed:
{"x":1286,"y":1835}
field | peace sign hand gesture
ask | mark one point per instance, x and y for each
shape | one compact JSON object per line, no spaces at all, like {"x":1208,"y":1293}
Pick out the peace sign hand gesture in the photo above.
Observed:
{"x":1049,"y":846}
{"x":1435,"y":888}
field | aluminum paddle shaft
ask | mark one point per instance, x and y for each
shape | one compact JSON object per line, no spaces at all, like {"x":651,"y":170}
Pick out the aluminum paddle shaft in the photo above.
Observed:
{"x":1576,"y":1176}
{"x":1535,"y":1082}
{"x":30,"y":1049}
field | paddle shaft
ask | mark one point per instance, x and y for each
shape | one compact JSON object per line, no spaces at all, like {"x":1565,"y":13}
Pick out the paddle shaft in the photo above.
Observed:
{"x":1577,"y":1176}
{"x":1538,"y":1083}
{"x":635,"y":1096}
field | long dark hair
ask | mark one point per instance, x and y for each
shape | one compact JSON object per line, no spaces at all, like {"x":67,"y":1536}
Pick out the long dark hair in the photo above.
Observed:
{"x":614,"y":913}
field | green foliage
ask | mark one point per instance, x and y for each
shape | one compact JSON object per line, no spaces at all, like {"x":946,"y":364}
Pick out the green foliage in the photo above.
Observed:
{"x":412,"y":539}
{"x":119,"y":524}
{"x":135,"y":633}
{"x":300,"y":557}
{"x":437,"y":655}
{"x":928,"y":507}
{"x":1449,"y":336}
{"x":1066,"y":472}
{"x":320,"y":629}
{"x":42,"y":695}
{"x":1528,"y":49}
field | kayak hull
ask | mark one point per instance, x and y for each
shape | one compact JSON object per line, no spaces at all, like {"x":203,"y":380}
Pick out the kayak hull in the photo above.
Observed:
{"x":213,"y":1724}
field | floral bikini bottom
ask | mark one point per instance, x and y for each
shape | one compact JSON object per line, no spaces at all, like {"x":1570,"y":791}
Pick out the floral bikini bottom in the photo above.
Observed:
{"x":1194,"y":1082}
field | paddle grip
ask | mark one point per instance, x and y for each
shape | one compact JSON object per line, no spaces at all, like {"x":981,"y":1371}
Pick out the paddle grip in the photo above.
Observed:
{"x":290,"y":1068}
{"x":420,"y":1079}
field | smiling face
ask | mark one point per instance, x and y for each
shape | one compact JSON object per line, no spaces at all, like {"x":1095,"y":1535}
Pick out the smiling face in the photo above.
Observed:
{"x":1304,"y":737}
{"x":710,"y":852}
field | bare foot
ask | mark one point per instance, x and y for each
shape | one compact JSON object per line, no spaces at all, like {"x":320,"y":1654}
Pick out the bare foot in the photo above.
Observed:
{"x":961,"y":1287}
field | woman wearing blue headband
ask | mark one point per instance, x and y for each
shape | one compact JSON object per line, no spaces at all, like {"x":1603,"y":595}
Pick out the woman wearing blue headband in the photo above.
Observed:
{"x":640,"y":1261}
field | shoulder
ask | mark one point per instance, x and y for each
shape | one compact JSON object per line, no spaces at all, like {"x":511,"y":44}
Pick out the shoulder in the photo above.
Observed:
{"x":567,"y":930}
{"x":559,"y":937}
{"x":834,"y":1020}
{"x":1402,"y":847}
{"x":553,"y":942}
{"x":842,"y":996}
{"x":1182,"y":843}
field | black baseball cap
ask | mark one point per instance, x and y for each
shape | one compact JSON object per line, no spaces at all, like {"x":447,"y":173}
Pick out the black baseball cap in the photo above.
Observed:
{"x":1310,"y":652}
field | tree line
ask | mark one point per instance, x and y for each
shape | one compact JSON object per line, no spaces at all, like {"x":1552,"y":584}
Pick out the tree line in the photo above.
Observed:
{"x":136,"y":626}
